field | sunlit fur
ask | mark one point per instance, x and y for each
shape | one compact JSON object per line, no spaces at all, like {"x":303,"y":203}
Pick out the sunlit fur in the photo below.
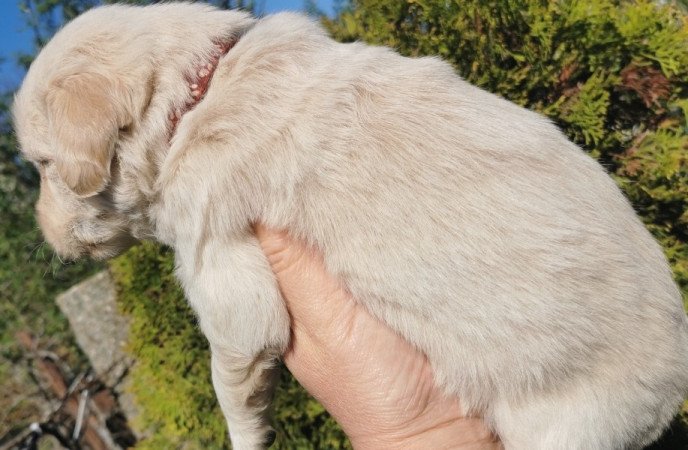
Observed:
{"x":469,"y":225}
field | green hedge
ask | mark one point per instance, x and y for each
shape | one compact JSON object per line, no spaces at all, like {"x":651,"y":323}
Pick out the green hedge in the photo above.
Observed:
{"x":611,"y":74}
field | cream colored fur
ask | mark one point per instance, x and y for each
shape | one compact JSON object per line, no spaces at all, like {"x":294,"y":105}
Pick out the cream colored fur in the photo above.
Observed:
{"x":469,"y":225}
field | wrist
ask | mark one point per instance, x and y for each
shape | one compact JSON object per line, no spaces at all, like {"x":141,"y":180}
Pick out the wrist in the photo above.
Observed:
{"x":446,"y":430}
{"x":461,"y":433}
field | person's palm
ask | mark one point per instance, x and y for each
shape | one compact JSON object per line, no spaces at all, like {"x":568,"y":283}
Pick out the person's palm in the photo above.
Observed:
{"x":377,"y":386}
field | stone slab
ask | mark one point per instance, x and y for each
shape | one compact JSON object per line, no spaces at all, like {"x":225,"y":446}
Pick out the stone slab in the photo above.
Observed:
{"x":100,"y":330}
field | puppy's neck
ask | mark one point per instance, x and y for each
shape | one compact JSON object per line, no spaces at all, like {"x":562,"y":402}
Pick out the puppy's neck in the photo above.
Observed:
{"x":199,"y":81}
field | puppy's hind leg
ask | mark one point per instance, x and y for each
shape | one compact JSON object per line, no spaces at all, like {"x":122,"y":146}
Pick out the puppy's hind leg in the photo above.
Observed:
{"x":234,"y":292}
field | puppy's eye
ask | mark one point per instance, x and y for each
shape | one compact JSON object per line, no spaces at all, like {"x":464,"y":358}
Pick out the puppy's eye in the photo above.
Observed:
{"x":42,"y":163}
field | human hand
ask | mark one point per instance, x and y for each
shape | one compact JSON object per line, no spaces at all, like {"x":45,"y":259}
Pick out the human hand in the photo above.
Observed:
{"x":378,"y":387}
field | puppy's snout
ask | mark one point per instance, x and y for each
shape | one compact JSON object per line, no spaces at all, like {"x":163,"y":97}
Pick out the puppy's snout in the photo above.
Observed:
{"x":54,"y":225}
{"x":45,"y":222}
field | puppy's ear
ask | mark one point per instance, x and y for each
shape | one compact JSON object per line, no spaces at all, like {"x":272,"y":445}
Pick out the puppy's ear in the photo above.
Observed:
{"x":85,"y":113}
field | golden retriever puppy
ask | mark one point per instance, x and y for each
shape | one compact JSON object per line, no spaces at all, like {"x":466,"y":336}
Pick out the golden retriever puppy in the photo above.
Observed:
{"x":469,"y":225}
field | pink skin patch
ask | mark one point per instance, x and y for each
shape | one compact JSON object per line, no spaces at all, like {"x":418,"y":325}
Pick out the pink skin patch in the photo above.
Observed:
{"x":199,"y":84}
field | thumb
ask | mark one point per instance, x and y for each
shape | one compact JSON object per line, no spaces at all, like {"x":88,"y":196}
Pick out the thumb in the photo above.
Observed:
{"x":315,"y":299}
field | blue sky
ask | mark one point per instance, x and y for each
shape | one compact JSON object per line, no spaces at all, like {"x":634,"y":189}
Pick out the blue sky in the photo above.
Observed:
{"x":15,"y":36}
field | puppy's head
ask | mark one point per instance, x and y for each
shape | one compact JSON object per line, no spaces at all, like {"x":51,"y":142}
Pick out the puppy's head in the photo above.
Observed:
{"x":70,"y":132}
{"x":74,"y":107}
{"x":93,"y":115}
